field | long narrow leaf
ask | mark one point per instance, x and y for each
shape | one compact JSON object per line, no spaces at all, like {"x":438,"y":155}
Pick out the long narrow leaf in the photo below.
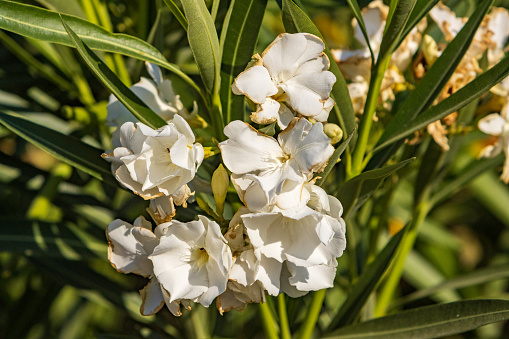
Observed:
{"x":203,"y":41}
{"x":396,"y":26}
{"x":110,"y":80}
{"x":356,"y":11}
{"x":177,"y":13}
{"x":68,"y":149}
{"x":334,"y":159}
{"x":421,"y":8}
{"x":41,"y":24}
{"x":461,"y":98}
{"x":358,"y":189}
{"x":431,"y":321}
{"x":437,"y":76}
{"x":295,"y":20}
{"x":52,"y":240}
{"x":480,"y":276}
{"x":366,"y":283}
{"x":238,"y":41}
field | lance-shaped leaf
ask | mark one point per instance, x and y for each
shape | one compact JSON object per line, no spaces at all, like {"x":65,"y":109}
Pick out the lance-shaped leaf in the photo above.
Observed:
{"x":49,"y":239}
{"x":334,"y":159}
{"x":477,"y":277}
{"x":367,"y":282}
{"x":421,"y":8}
{"x":41,"y":24}
{"x":357,"y":190}
{"x":457,"y":100}
{"x":177,"y":13}
{"x":110,"y":80}
{"x":396,"y":26}
{"x":430,"y":321}
{"x":238,"y":39}
{"x":356,"y":11}
{"x":203,"y":41}
{"x":63,"y":147}
{"x":295,"y":20}
{"x":437,"y":76}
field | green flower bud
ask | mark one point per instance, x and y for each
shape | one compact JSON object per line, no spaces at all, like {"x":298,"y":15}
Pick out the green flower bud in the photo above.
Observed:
{"x":334,"y":132}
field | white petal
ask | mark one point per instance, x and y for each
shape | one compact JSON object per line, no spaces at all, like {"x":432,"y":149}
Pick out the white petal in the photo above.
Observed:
{"x":283,"y":57}
{"x":268,"y":274}
{"x":256,"y":84}
{"x":492,"y":124}
{"x":125,"y":253}
{"x":248,"y":150}
{"x":312,"y":278}
{"x":267,"y":112}
{"x":152,"y":298}
{"x":285,"y":117}
{"x":154,"y":71}
{"x":308,"y":93}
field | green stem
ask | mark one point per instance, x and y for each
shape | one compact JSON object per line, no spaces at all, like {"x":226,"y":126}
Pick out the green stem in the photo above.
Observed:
{"x":198,"y":322}
{"x":406,"y":245}
{"x":377,"y":76}
{"x":269,"y":325}
{"x":313,"y":313}
{"x":283,"y":317}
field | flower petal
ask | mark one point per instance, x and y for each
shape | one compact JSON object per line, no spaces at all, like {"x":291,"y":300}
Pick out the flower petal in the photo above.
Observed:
{"x":256,"y":84}
{"x":248,"y":150}
{"x":152,"y":298}
{"x":492,"y":124}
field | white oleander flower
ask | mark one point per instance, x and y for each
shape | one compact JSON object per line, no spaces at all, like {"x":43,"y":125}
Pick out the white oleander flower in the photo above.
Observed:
{"x":153,"y":163}
{"x":497,"y":125}
{"x":192,"y":261}
{"x":307,"y":239}
{"x":129,"y":249}
{"x":290,"y":74}
{"x":157,"y":94}
{"x":276,"y":166}
{"x":243,"y":287}
{"x":491,"y":35}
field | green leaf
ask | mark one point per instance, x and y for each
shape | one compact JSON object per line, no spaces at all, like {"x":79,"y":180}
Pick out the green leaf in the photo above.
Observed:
{"x":295,"y":20}
{"x":431,"y":321}
{"x":356,"y":11}
{"x":177,"y":13}
{"x":203,"y":41}
{"x":68,"y":149}
{"x":489,"y":190}
{"x":436,"y":77}
{"x":366,"y":284}
{"x":334,"y":159}
{"x":39,"y":238}
{"x":466,"y":176}
{"x":453,"y":103}
{"x":110,"y":80}
{"x":396,"y":26}
{"x":357,"y":190}
{"x":238,"y":40}
{"x":421,"y":8}
{"x":41,"y":24}
{"x":480,"y":276}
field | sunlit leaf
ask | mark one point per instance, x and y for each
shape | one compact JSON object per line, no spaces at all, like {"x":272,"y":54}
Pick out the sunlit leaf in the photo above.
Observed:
{"x":431,"y":321}
{"x":110,"y":80}
{"x":238,"y":40}
{"x":68,"y":149}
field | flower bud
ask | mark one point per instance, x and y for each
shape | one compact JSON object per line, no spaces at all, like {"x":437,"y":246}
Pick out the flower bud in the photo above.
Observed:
{"x":220,"y":183}
{"x":430,"y":49}
{"x":334,"y":132}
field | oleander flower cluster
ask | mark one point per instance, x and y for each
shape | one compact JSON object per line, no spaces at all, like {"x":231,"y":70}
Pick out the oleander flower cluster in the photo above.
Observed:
{"x":288,"y":233}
